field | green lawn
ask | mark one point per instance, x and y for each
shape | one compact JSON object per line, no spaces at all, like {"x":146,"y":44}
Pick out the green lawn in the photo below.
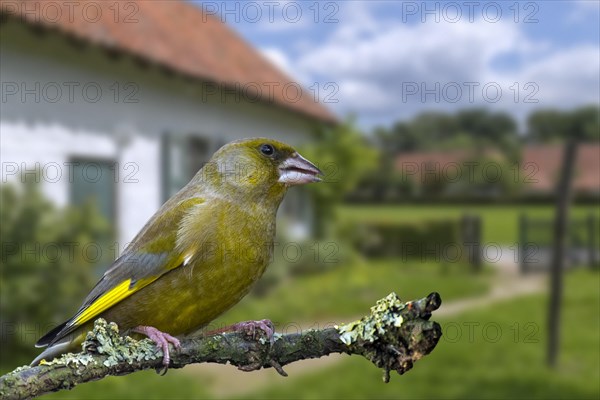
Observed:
{"x":140,"y":385}
{"x":503,"y":358}
{"x":348,"y":291}
{"x":500,"y":222}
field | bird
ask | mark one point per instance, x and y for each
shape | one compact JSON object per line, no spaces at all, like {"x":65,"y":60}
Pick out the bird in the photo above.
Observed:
{"x":198,"y":255}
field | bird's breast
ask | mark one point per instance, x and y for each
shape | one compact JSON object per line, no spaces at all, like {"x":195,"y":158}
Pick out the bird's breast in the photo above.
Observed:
{"x":225,"y":266}
{"x":225,"y":258}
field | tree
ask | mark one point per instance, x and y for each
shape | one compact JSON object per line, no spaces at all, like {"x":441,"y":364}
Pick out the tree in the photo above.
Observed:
{"x":345,"y":156}
{"x":550,"y":125}
{"x":474,"y":128}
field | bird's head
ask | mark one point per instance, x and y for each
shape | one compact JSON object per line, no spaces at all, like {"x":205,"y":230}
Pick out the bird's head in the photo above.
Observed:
{"x":259,"y":167}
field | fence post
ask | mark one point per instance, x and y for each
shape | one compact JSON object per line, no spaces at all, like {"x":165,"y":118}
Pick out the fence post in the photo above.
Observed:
{"x":592,"y":241}
{"x":522,"y":245}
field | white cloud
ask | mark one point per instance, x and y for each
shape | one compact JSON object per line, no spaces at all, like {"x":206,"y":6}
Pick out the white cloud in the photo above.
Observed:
{"x":425,"y":50}
{"x":365,"y":96}
{"x":566,"y":77}
{"x":285,"y":64}
{"x":373,"y":68}
{"x":278,"y":57}
{"x":373,"y":60}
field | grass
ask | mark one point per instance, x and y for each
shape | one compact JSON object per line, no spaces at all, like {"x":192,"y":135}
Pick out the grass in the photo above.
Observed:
{"x":492,"y":353}
{"x":500,"y":222}
{"x":349,"y":290}
{"x":140,"y":385}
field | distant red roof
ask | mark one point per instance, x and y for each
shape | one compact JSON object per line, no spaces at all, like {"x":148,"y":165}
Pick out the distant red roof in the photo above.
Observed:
{"x":547,"y":160}
{"x":177,"y":35}
{"x":540,"y":165}
{"x":441,"y":158}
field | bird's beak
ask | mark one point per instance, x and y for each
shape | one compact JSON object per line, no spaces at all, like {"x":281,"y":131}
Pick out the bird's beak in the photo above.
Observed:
{"x":297,"y":170}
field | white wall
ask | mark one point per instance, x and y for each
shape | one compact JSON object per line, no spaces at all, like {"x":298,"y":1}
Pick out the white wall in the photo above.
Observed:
{"x":51,"y":118}
{"x":50,"y":148}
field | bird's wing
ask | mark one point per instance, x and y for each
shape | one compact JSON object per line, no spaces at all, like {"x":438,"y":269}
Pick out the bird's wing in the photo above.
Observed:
{"x":152,"y":254}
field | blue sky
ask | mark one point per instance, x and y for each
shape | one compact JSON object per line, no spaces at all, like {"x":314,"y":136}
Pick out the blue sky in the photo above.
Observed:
{"x":389,"y":60}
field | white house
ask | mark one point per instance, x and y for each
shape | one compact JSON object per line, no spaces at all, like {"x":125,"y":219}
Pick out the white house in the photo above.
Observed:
{"x":126,"y":106}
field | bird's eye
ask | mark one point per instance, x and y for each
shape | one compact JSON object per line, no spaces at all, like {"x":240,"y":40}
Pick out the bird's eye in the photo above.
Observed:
{"x":267,"y":149}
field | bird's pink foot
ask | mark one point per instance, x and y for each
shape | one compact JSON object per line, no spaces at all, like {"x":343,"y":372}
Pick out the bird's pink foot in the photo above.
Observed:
{"x":250,"y":327}
{"x":161,"y":339}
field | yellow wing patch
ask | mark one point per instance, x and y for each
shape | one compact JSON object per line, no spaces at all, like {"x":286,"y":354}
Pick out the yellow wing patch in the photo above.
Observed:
{"x":105,"y":301}
{"x":115,"y":295}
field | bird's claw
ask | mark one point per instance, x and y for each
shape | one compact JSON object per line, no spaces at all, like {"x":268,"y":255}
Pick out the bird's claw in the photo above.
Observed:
{"x":162,"y":341}
{"x":251,"y":327}
{"x":257,"y":365}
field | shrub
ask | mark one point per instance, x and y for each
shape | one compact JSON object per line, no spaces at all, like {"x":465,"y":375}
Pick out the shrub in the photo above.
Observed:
{"x":48,"y":260}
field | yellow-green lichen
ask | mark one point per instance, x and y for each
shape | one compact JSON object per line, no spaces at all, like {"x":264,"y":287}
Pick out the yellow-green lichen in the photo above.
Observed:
{"x":105,"y":339}
{"x":71,"y":360}
{"x":21,"y":368}
{"x":384,"y":314}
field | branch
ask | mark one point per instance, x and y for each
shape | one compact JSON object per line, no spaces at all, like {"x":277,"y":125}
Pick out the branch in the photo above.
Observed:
{"x":393,"y":337}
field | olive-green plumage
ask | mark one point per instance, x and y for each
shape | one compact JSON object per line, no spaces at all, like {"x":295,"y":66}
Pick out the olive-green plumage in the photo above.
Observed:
{"x":202,"y":250}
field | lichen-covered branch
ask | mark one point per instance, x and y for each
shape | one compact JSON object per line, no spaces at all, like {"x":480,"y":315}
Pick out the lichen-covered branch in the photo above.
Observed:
{"x":393,"y":336}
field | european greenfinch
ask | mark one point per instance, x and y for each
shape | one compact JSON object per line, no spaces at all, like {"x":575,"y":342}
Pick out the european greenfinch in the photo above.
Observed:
{"x":198,"y":255}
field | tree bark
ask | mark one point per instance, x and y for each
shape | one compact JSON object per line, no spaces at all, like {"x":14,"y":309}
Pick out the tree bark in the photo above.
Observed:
{"x":393,"y":336}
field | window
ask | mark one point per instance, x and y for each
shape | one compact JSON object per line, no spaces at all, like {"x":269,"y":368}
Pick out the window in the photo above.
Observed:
{"x":198,"y":153}
{"x":182,"y":157}
{"x":94,"y":180}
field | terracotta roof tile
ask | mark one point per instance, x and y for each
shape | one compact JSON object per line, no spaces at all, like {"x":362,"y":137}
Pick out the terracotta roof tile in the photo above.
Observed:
{"x":548,"y":159}
{"x":540,"y":165}
{"x":177,"y":35}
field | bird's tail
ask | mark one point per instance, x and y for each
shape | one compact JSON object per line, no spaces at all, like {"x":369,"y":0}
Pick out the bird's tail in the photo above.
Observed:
{"x":52,"y":351}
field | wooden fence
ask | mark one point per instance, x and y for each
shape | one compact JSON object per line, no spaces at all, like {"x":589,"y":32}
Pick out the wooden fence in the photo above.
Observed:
{"x":535,"y":242}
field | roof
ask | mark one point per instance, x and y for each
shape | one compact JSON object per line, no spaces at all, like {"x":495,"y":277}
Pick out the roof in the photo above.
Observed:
{"x":547,"y":161}
{"x":178,"y":36}
{"x":539,"y":167}
{"x":440,"y":158}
